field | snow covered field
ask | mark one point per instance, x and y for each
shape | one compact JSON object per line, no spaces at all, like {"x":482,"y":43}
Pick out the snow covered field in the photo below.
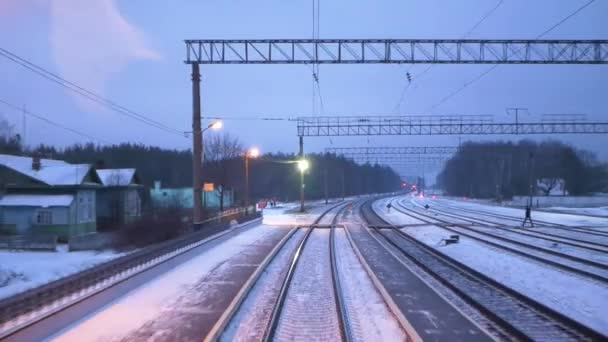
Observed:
{"x":20,"y":271}
{"x":582,"y":299}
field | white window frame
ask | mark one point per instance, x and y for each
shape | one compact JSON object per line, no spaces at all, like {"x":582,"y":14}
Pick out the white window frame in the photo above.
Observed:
{"x":43,"y":217}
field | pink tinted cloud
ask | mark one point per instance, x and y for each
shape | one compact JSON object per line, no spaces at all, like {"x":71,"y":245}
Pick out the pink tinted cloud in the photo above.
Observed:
{"x":91,"y":42}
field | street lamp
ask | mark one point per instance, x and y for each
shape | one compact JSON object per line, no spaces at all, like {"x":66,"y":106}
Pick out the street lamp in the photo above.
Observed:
{"x":198,"y":152}
{"x":303,"y":165}
{"x":215,"y":125}
{"x":253,"y":152}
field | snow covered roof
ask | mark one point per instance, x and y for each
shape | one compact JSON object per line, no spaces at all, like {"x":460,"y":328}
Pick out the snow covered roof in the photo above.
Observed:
{"x":52,"y":172}
{"x":117,"y":177}
{"x":36,"y":200}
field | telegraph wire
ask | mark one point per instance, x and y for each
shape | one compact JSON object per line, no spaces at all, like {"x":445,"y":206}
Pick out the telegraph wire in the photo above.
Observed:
{"x":492,"y":68}
{"x":417,"y":76}
{"x":53,"y":123}
{"x":85,"y":92}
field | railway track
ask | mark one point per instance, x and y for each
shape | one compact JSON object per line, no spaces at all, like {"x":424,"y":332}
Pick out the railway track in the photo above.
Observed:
{"x":272,"y":324}
{"x":593,"y":246}
{"x":518,"y":314}
{"x":573,"y":264}
{"x":517,"y":220}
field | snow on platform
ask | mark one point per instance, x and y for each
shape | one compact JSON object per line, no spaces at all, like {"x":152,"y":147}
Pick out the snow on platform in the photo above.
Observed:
{"x":288,"y":213}
{"x":20,"y":271}
{"x":581,"y":299}
{"x":147,"y":303}
{"x":368,"y":313}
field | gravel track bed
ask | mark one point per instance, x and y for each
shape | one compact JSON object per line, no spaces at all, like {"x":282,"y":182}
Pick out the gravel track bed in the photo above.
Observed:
{"x":310,"y":312}
{"x":250,"y":321}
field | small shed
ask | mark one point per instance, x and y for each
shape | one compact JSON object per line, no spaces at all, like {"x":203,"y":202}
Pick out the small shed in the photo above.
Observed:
{"x":119,"y":199}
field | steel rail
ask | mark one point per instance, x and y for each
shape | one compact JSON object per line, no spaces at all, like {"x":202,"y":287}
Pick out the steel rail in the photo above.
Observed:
{"x":542,"y":313}
{"x":554,"y":225}
{"x":446,"y":225}
{"x":343,"y":318}
{"x":506,"y":239}
{"x":536,"y":234}
{"x":58,"y":295}
{"x":273,"y":323}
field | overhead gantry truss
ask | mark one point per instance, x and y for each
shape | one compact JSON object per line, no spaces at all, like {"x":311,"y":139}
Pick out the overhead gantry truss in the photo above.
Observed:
{"x":436,"y":125}
{"x":392,"y":150}
{"x":395,"y":51}
{"x":399,"y":160}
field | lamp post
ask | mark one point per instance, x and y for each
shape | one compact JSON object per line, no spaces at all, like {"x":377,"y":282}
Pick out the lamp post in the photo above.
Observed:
{"x":303,"y":165}
{"x":251,"y":153}
{"x":198,"y":152}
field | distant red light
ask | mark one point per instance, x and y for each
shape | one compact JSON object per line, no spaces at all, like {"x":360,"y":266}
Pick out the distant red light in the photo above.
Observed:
{"x":434,"y":197}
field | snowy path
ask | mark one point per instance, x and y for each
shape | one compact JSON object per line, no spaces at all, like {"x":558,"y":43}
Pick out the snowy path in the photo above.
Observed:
{"x":368,"y":314}
{"x":309,"y":311}
{"x":173,"y":305}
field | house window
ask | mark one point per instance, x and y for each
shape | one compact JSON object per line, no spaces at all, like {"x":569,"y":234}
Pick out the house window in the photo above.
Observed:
{"x":44,"y":217}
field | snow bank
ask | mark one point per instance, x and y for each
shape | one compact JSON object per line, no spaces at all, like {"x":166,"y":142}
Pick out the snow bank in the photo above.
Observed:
{"x":24,"y":270}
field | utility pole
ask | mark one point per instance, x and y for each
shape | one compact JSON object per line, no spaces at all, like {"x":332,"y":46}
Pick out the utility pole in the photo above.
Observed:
{"x":197,"y":148}
{"x":326,"y":195}
{"x":516,"y":110}
{"x":24,"y":127}
{"x":301,"y":175}
{"x":530,"y":181}
{"x":246,"y":181}
{"x":343,"y":186}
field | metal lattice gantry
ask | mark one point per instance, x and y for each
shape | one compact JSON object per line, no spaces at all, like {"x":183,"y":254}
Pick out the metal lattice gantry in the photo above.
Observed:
{"x":392,"y":150}
{"x":437,"y":125}
{"x":399,"y":160}
{"x":396,"y":51}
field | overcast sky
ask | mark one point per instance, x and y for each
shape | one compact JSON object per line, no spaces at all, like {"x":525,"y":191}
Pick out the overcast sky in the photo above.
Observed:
{"x":132,"y":52}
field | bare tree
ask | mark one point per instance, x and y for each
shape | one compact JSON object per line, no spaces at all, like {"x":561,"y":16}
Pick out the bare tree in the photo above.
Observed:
{"x":221,"y":150}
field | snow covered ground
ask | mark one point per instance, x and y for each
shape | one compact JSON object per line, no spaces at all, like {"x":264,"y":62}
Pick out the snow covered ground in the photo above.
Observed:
{"x":558,"y":218}
{"x":288,"y":213}
{"x":581,"y":299}
{"x":148,"y":303}
{"x":369,"y":316}
{"x":20,"y":271}
{"x":595,"y":211}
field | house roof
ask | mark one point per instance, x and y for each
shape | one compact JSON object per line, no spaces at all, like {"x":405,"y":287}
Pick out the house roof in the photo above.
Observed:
{"x":32,"y":200}
{"x":117,"y":177}
{"x":52,"y":172}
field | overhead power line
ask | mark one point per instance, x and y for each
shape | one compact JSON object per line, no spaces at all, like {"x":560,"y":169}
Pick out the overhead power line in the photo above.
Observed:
{"x":86,"y":93}
{"x":417,"y":76}
{"x":53,"y":123}
{"x":492,"y":68}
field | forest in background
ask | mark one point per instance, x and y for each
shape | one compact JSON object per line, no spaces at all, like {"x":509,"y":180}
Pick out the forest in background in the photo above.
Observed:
{"x":506,"y":169}
{"x":270,"y":175}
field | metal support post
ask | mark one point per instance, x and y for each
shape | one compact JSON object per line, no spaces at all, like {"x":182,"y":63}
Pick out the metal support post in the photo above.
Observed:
{"x":197,"y":147}
{"x":246,"y":182}
{"x":301,"y":175}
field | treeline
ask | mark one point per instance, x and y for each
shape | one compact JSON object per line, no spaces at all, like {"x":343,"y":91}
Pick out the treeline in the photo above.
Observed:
{"x":506,"y":169}
{"x":271,"y":175}
{"x":276,"y":176}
